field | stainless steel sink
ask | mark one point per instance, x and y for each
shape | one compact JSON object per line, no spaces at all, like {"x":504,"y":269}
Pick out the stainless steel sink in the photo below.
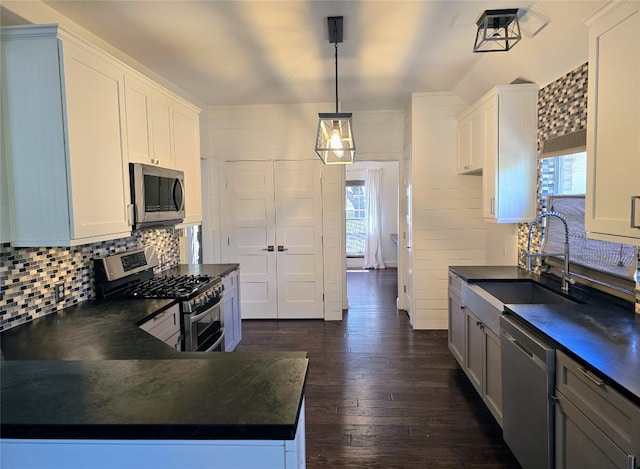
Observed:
{"x":523,"y":293}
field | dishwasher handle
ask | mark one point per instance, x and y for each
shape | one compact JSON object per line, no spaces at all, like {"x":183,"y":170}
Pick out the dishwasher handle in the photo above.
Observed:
{"x":532,"y":356}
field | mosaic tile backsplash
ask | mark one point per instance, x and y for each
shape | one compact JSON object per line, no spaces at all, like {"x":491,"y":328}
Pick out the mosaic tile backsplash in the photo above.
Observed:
{"x":562,"y":109}
{"x":28,"y":275}
{"x":562,"y":105}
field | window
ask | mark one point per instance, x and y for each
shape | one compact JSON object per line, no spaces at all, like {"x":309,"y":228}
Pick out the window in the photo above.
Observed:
{"x":356,"y":214}
{"x":562,"y":186}
{"x":564,"y":175}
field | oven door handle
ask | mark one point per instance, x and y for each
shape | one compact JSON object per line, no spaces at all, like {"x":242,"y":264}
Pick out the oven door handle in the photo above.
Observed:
{"x":197,"y":317}
{"x":217,"y":342}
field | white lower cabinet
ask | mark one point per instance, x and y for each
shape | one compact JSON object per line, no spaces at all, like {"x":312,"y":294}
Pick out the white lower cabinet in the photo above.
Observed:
{"x":596,"y":427}
{"x":165,"y":326}
{"x":63,"y":108}
{"x":158,"y":454}
{"x":231,"y":311}
{"x":476,"y":348}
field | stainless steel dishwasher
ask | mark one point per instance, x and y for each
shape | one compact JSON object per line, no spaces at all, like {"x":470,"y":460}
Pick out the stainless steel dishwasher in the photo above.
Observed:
{"x":528,"y":381}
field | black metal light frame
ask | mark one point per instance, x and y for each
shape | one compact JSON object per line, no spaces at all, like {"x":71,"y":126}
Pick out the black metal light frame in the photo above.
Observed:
{"x":334,"y":140}
{"x":498,"y":30}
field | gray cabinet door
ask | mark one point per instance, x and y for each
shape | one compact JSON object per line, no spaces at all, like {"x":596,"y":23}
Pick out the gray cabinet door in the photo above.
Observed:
{"x":457,"y":317}
{"x":579,"y":443}
{"x":612,"y":413}
{"x":493,"y":375}
{"x":474,"y":358}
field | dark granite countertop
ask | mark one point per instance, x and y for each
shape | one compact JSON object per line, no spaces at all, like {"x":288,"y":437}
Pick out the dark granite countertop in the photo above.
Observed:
{"x":599,"y":331}
{"x":214,"y":270}
{"x":91,"y":330}
{"x":255,"y":397}
{"x":90,"y":372}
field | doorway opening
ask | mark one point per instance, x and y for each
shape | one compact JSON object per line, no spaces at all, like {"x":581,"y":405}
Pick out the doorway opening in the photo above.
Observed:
{"x":371,"y":220}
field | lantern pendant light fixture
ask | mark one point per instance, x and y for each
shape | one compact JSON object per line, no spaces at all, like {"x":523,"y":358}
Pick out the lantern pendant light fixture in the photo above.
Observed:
{"x":498,"y":30}
{"x":334,"y":142}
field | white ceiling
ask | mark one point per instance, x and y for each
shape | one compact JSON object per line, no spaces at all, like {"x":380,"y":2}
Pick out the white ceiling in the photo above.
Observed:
{"x":277,"y":52}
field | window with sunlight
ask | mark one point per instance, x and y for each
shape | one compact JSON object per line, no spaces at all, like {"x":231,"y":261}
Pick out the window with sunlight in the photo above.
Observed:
{"x":563,"y":185}
{"x":356,"y":214}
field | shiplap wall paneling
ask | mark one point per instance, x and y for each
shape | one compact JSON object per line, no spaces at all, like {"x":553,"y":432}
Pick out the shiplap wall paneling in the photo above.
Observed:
{"x":446,"y":217}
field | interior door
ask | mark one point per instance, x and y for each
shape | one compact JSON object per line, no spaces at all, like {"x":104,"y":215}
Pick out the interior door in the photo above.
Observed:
{"x":298,"y":197}
{"x":251,"y":224}
{"x":275,"y":234}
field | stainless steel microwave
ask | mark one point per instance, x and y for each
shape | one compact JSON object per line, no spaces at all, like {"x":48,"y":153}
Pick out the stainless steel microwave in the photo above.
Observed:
{"x":157,"y":195}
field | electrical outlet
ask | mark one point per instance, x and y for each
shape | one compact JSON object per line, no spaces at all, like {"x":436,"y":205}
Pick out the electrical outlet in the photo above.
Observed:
{"x":59,"y":292}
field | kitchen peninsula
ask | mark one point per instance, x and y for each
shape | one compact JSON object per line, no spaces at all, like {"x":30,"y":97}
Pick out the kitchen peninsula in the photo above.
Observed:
{"x":87,"y":384}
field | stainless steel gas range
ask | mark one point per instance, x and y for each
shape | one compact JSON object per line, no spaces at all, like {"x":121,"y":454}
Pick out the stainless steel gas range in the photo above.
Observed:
{"x":130,"y":275}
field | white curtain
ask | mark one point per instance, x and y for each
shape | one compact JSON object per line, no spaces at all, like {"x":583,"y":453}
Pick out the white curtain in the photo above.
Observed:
{"x":373,"y":241}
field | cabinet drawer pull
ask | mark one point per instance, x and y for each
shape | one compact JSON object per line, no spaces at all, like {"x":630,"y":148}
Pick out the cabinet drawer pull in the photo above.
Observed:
{"x":597,"y":381}
{"x":631,"y":460}
{"x":634,"y":200}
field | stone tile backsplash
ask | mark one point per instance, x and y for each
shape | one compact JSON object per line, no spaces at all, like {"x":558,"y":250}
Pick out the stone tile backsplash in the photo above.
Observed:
{"x":562,"y":105}
{"x":562,"y":109}
{"x":28,"y":275}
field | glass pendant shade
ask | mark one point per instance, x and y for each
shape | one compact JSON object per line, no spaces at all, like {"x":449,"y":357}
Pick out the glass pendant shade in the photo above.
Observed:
{"x":498,"y":30}
{"x":334,"y":142}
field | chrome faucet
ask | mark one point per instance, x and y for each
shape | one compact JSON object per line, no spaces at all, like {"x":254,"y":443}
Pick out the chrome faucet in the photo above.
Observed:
{"x":566,"y":277}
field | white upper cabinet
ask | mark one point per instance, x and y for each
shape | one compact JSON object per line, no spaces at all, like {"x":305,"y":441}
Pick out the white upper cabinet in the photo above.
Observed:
{"x":613,"y":136}
{"x":62,"y":108}
{"x":73,"y":118}
{"x":186,"y":125}
{"x":510,"y":164}
{"x":497,"y":137}
{"x":471,"y":141}
{"x":149,"y":123}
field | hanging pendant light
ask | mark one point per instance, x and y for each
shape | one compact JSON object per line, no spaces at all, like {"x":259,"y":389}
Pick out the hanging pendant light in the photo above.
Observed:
{"x":334,"y":142}
{"x":498,"y":30}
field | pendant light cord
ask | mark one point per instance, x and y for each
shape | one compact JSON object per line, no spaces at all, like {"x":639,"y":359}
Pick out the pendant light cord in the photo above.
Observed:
{"x":336,"y":43}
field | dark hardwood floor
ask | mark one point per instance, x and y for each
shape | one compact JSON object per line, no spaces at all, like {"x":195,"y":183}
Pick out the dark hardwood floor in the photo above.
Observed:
{"x":381,"y":395}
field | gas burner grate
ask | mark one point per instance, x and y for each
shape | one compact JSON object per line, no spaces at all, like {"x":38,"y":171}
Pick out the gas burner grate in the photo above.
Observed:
{"x":176,"y":286}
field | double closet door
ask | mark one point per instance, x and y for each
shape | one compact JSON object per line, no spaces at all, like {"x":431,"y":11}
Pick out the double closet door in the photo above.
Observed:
{"x":274,"y":220}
